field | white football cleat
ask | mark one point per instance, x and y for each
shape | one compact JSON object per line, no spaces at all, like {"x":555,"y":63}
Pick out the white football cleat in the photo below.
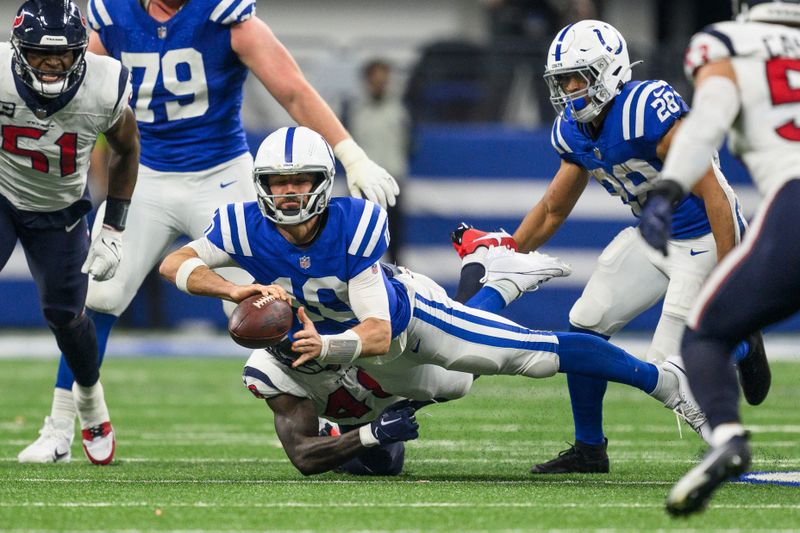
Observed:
{"x":682,"y":401}
{"x":526,"y":271}
{"x":99,"y":443}
{"x":53,"y":445}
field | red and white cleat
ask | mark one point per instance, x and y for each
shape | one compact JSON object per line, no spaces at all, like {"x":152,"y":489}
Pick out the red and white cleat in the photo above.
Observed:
{"x":467,"y":239}
{"x":99,"y":443}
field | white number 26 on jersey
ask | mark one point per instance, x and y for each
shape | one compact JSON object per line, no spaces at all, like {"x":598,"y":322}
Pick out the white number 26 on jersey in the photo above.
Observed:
{"x":152,"y":64}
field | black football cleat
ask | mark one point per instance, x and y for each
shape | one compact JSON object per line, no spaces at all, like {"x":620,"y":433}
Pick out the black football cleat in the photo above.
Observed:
{"x":754,"y":373}
{"x":693,"y":491}
{"x":580,"y":458}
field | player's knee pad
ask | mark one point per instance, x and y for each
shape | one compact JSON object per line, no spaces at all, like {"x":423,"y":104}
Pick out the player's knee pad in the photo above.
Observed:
{"x":59,"y":318}
{"x":541,"y":365}
{"x":109,"y":297}
{"x":592,"y":313}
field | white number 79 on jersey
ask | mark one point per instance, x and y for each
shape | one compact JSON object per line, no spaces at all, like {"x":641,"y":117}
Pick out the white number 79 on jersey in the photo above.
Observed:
{"x":152,"y":64}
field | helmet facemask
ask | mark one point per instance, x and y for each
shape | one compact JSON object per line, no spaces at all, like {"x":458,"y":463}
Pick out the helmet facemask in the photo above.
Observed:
{"x":585,"y":104}
{"x":312,"y":203}
{"x":33,"y":77}
{"x":49,"y":28}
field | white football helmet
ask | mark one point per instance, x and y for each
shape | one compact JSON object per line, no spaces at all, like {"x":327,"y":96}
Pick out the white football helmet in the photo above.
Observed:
{"x":775,"y":11}
{"x":592,"y":50}
{"x":294,"y":150}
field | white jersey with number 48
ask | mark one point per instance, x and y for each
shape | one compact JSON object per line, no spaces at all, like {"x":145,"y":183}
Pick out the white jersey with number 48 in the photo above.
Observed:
{"x":44,"y":159}
{"x":766,"y":60}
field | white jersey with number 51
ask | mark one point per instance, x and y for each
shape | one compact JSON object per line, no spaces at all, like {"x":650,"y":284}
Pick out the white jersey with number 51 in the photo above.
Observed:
{"x":766,"y":60}
{"x":44,"y":159}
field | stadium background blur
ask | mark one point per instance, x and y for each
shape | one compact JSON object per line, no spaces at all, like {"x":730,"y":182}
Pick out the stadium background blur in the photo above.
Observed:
{"x":470,"y":73}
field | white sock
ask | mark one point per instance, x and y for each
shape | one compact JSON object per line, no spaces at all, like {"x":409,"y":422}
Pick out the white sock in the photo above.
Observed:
{"x":507,"y":289}
{"x":725,"y":432}
{"x":666,"y":386}
{"x":63,"y":405}
{"x":91,"y":405}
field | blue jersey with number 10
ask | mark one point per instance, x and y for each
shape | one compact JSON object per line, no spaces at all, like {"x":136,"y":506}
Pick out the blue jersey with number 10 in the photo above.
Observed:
{"x":187,"y":80}
{"x":353,"y":238}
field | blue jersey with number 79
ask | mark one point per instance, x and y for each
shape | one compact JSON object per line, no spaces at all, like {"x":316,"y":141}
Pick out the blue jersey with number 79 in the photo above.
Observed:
{"x":187,"y":80}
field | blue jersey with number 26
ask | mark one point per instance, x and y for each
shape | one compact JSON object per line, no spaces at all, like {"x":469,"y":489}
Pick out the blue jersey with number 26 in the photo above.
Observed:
{"x":353,"y":238}
{"x":622,"y":156}
{"x":187,"y":80}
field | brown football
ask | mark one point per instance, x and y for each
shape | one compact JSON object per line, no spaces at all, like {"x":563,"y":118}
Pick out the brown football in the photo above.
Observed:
{"x":260,"y":321}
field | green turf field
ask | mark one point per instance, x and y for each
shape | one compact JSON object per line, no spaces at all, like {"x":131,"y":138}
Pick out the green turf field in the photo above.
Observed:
{"x":197,"y":452}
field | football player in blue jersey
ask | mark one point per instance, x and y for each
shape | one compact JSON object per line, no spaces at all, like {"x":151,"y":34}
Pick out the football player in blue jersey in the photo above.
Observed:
{"x":188,"y":62}
{"x":322,"y":254}
{"x":619,"y":131}
{"x":56,"y":100}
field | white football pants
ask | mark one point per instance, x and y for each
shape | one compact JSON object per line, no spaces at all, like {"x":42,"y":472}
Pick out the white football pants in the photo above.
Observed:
{"x":632,"y":277}
{"x":164,"y":206}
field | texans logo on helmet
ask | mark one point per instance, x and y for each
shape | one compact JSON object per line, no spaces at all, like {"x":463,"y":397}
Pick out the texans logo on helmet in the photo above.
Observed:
{"x":18,"y":20}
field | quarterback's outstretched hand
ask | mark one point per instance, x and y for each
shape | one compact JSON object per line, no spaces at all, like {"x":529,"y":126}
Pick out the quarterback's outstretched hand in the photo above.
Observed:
{"x":656,"y":219}
{"x":394,"y":425}
{"x":365,"y":178}
{"x":104,"y":255}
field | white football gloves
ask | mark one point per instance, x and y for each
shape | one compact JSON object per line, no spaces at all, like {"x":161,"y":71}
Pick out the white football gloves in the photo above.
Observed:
{"x":104,"y":256}
{"x":365,"y":178}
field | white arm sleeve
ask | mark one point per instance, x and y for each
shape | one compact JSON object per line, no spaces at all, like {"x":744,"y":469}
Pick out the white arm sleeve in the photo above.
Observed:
{"x":368,"y":296}
{"x":210,"y":254}
{"x":714,"y":108}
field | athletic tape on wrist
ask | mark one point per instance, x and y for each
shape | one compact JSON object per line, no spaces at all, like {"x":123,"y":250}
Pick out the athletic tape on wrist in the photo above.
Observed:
{"x":368,"y":440}
{"x":185,"y":270}
{"x":340,"y":349}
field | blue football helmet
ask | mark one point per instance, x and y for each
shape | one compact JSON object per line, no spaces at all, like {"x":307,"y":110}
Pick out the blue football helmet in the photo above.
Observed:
{"x":775,"y":11}
{"x":49,"y":27}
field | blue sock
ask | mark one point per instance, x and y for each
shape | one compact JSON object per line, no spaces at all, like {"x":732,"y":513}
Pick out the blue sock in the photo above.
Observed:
{"x":487,"y":299}
{"x":586,"y":396}
{"x":103,"y":323}
{"x":741,"y":351}
{"x":593,"y":356}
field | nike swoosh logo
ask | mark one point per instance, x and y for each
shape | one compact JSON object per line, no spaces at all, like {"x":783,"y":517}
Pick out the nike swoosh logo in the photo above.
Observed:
{"x":57,"y":456}
{"x":72,"y":226}
{"x":698,"y":252}
{"x":385,"y":423}
{"x":223,"y":185}
{"x":415,"y":349}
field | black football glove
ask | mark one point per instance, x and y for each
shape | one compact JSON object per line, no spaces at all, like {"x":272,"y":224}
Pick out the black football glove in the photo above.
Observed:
{"x":395,"y":425}
{"x":656,"y":220}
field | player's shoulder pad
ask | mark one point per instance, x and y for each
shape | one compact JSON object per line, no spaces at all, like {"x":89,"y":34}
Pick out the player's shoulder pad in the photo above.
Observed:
{"x":366,"y":226}
{"x":229,"y":229}
{"x":265,"y":377}
{"x":715,"y":42}
{"x":101,"y":13}
{"x":649,"y":109}
{"x":110,"y":81}
{"x":228,"y":12}
{"x":559,"y":136}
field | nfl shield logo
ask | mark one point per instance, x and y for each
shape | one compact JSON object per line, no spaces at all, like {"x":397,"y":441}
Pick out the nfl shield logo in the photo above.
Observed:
{"x":162,"y":32}
{"x":305,"y":262}
{"x":597,"y":153}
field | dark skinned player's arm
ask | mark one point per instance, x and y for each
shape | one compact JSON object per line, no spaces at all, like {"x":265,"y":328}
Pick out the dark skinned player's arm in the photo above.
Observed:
{"x":297,"y":426}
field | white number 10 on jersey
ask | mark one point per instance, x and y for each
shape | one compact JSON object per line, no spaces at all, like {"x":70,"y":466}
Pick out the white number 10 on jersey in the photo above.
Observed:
{"x":168,"y":67}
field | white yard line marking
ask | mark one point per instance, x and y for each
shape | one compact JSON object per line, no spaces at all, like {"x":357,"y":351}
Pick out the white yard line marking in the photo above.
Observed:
{"x":393,"y":505}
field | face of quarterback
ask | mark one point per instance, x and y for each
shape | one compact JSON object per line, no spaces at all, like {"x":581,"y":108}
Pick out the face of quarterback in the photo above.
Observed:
{"x":288,"y":188}
{"x":51,"y":67}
